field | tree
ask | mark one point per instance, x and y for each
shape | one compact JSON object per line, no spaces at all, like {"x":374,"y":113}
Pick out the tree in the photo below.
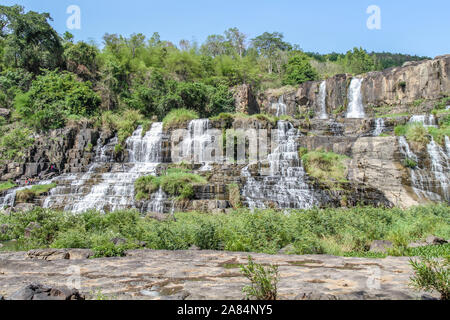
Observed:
{"x":215,"y":45}
{"x":357,"y":61}
{"x":268,"y":44}
{"x":236,"y":39}
{"x":135,"y":42}
{"x":81,"y":59}
{"x":53,"y":97}
{"x":298,"y":70}
{"x":30,"y":42}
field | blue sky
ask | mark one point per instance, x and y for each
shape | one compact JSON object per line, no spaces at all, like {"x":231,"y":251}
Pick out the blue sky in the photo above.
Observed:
{"x":416,"y":27}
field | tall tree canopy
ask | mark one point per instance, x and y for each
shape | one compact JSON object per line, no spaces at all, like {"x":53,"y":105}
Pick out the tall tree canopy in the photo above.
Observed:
{"x":30,"y":42}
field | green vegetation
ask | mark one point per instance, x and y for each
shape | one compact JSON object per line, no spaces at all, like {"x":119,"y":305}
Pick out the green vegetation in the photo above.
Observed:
{"x":13,"y":144}
{"x":432,"y":275}
{"x":409,"y":163}
{"x":176,"y":182}
{"x":414,"y":132}
{"x":327,"y":167}
{"x":54,"y":96}
{"x":264,"y":281}
{"x":346,"y":232}
{"x":235,"y":195}
{"x":298,"y":70}
{"x":28,"y":195}
{"x":179,"y":116}
{"x":6,"y":186}
{"x":444,"y":102}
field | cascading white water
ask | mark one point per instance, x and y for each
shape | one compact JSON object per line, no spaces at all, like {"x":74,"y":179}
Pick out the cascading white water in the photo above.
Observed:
{"x":355,"y":106}
{"x":323,"y":100}
{"x":432,"y":183}
{"x":109,"y":186}
{"x":285,"y":186}
{"x":194,"y":146}
{"x":425,"y":120}
{"x":379,"y":127}
{"x":440,"y":166}
{"x":280,"y":106}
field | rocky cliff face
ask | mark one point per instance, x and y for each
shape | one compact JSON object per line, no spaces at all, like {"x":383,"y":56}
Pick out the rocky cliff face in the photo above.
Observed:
{"x":90,"y":175}
{"x":399,"y":87}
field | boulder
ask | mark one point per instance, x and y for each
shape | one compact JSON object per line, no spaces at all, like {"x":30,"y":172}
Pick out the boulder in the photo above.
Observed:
{"x":432,"y":240}
{"x":287,"y":250}
{"x":381,"y":246}
{"x":417,"y":244}
{"x":1,"y":245}
{"x":37,"y":291}
{"x":24,"y":207}
{"x":80,"y":254}
{"x":48,"y":254}
{"x":4,"y":112}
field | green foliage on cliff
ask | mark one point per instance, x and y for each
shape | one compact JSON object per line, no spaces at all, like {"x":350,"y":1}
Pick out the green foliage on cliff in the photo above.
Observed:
{"x":414,"y":132}
{"x":346,"y":232}
{"x":176,"y":182}
{"x":14,"y":143}
{"x":6,"y":186}
{"x":179,"y":116}
{"x":53,"y":97}
{"x":28,"y":195}
{"x":327,"y":167}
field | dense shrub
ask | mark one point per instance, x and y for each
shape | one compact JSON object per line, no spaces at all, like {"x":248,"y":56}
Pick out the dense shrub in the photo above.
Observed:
{"x":53,"y":97}
{"x":176,"y":182}
{"x":347,"y":232}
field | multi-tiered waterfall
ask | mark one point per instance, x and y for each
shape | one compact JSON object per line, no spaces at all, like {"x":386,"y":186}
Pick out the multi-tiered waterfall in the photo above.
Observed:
{"x":285,"y":184}
{"x":355,"y":105}
{"x":109,"y":186}
{"x":323,"y":100}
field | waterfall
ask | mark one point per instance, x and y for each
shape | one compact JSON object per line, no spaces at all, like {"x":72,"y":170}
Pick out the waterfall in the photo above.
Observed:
{"x":323,"y":100}
{"x":355,"y":106}
{"x":440,"y":166}
{"x":285,"y":186}
{"x":195,"y":145}
{"x":8,"y":198}
{"x":280,"y":107}
{"x":425,"y":120}
{"x":109,"y":186}
{"x":379,"y":127}
{"x":431,"y":184}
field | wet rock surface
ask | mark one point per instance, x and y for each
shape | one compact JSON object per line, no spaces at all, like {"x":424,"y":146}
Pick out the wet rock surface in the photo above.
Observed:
{"x":167,"y":275}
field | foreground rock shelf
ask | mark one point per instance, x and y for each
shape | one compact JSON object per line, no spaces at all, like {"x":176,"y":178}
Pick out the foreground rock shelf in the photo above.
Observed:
{"x":193,"y":275}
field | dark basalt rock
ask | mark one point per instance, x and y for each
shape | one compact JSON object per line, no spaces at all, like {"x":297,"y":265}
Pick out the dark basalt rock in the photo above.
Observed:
{"x":37,"y":291}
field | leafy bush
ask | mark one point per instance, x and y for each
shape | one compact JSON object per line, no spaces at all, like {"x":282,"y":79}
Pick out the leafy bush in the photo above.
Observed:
{"x":14,"y":144}
{"x":53,"y":97}
{"x":298,"y":70}
{"x":432,"y":275}
{"x":176,"y":182}
{"x":207,"y":237}
{"x":179,"y":116}
{"x":409,"y":163}
{"x":264,"y":281}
